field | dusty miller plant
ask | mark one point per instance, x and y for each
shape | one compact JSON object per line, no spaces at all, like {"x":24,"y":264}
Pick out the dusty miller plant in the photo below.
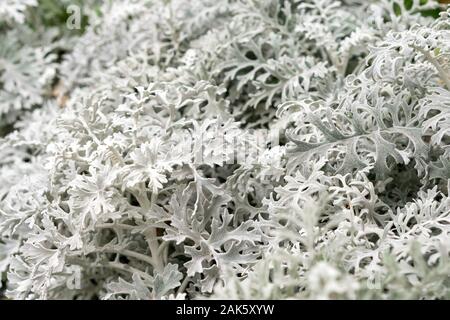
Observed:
{"x":132,"y":164}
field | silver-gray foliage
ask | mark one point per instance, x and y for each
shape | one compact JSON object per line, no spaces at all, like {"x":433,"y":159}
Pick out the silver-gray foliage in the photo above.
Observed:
{"x":118,"y":180}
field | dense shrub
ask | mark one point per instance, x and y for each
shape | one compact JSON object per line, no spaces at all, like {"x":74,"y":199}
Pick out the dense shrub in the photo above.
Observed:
{"x":225,"y":148}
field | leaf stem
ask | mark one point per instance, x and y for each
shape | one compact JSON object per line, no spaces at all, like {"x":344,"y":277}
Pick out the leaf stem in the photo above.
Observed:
{"x":445,"y":77}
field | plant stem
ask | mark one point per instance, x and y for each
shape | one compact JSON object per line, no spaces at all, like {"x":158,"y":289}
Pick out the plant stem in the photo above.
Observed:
{"x":445,"y":77}
{"x":151,"y":235}
{"x":184,"y":284}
